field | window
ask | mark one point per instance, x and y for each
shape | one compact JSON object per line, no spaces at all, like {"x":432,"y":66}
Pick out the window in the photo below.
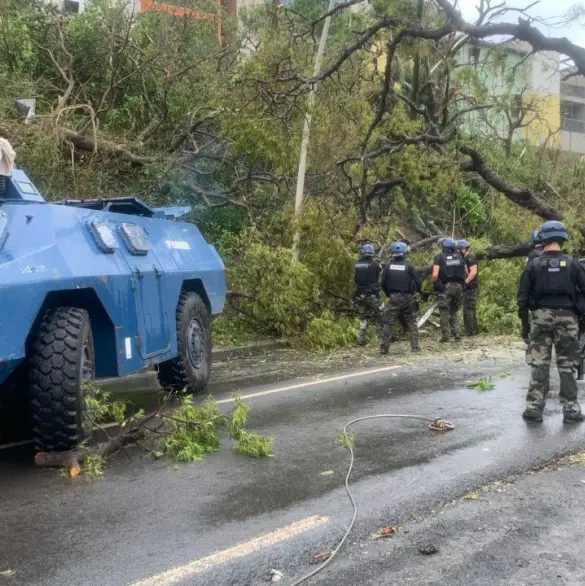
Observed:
{"x":70,"y":7}
{"x":572,"y":125}
{"x":26,"y":188}
{"x":135,"y":239}
{"x":567,"y":110}
{"x":516,"y":110}
{"x":568,"y":89}
{"x":103,"y":236}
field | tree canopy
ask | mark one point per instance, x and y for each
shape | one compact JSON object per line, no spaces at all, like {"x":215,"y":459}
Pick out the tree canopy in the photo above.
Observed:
{"x":407,"y":139}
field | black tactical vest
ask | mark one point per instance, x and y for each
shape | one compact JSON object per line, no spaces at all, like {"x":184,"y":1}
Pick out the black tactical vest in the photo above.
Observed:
{"x":452,"y":267}
{"x":397,"y":278}
{"x":552,"y":277}
{"x":366,"y":275}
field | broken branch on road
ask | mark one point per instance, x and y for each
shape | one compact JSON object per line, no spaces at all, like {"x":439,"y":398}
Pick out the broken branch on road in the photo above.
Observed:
{"x":187,"y":433}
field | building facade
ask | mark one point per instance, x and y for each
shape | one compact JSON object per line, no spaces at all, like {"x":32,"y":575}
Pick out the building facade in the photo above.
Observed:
{"x":554,"y":94}
{"x":572,"y":90}
{"x":229,"y":7}
{"x":524,"y":89}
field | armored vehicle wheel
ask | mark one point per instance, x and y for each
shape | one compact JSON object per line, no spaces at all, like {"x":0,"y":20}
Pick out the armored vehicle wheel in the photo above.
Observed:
{"x":191,"y":368}
{"x":62,"y":357}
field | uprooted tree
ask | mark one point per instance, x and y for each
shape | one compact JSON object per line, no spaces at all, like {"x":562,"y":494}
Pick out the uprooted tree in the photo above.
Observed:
{"x":408,"y":139}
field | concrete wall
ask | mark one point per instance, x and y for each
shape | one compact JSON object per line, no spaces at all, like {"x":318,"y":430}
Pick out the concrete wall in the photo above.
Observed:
{"x":546,"y":75}
{"x":545,"y":125}
{"x":572,"y":141}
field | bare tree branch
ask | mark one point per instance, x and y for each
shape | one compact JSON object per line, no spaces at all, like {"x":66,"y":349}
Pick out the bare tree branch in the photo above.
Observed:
{"x":523,"y":31}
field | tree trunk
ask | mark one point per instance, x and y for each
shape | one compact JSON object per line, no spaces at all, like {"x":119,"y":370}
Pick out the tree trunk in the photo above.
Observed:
{"x":492,"y":253}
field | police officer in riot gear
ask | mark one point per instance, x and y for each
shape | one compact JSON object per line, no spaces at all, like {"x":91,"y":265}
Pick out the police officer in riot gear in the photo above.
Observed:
{"x":449,"y":274}
{"x":549,"y":288}
{"x":367,"y":296}
{"x":400,"y":283}
{"x":470,"y":290}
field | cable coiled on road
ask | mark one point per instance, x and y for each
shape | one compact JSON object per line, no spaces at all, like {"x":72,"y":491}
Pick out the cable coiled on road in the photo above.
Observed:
{"x":435,"y":424}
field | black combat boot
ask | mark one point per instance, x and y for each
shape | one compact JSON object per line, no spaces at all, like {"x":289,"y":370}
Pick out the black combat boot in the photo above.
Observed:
{"x":534,"y":415}
{"x":572,"y":417}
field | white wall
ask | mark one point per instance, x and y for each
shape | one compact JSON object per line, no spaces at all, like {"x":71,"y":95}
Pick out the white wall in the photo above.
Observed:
{"x":572,"y":141}
{"x":546,"y":75}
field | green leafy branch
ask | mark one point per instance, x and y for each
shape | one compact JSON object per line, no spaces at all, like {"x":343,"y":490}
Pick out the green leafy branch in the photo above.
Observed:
{"x":187,"y":433}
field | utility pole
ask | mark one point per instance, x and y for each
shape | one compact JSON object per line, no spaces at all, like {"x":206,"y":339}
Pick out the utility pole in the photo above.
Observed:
{"x":307,"y":130}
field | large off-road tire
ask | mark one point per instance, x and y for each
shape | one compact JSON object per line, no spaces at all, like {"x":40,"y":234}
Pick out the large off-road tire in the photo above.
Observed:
{"x":190,"y":370}
{"x":62,"y":357}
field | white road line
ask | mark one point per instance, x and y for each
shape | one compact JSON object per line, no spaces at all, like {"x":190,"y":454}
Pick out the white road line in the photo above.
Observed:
{"x":237,"y":551}
{"x":312,"y":383}
{"x":275,"y":391}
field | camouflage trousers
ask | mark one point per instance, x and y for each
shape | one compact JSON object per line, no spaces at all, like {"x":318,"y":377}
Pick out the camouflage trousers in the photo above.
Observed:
{"x":470,"y":325}
{"x":449,"y":301}
{"x":556,"y":327}
{"x":369,"y":311}
{"x":399,"y":305}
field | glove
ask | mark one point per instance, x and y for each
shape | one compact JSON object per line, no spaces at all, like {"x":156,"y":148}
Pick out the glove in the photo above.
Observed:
{"x":526,"y":333}
{"x":523,"y":315}
{"x":415,"y":305}
{"x":424,"y":296}
{"x":439,"y":287}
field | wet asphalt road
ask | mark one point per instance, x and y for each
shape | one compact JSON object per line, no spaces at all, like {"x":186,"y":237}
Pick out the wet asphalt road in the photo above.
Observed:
{"x":145,"y":517}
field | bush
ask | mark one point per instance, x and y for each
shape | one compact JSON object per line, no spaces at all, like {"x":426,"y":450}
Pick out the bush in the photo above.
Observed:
{"x":497,"y":309}
{"x":283,"y":293}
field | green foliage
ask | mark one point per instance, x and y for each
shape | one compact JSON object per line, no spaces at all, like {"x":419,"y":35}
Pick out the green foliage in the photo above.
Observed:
{"x":93,"y":466}
{"x":195,"y":431}
{"x":497,"y":310}
{"x":232,"y":330}
{"x":471,"y":210}
{"x":325,"y":332}
{"x":345,"y":439}
{"x":239,"y":418}
{"x":254,"y":445}
{"x":283,"y":291}
{"x":191,"y":431}
{"x":100,"y":406}
{"x":483,"y":384}
{"x":140,"y":81}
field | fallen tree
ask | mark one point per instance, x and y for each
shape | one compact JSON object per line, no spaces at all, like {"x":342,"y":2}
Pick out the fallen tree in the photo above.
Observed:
{"x":491,"y":253}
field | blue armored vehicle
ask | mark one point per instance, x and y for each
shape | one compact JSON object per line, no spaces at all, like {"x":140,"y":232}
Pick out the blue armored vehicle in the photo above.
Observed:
{"x":99,"y":288}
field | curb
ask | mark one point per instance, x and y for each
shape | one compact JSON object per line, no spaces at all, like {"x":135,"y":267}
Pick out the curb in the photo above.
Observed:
{"x":217,"y":355}
{"x":223,"y":354}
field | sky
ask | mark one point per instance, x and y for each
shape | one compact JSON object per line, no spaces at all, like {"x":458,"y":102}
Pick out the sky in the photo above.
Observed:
{"x":545,"y":9}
